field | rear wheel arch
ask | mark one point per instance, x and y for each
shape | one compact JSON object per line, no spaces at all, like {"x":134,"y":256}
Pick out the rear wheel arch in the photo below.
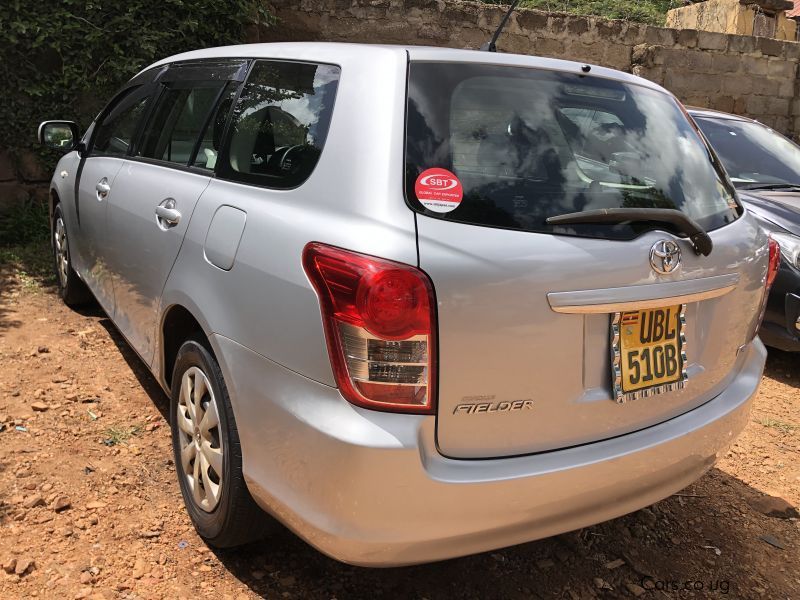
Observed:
{"x":234,"y":518}
{"x":178,"y":326}
{"x":208,"y":451}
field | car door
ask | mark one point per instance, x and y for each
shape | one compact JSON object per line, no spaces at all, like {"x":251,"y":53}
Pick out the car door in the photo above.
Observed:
{"x":111,"y":139}
{"x":157,"y":187}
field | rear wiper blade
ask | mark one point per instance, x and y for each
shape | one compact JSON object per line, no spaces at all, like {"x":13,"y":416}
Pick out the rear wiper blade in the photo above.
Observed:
{"x":770,"y":186}
{"x":700,"y":239}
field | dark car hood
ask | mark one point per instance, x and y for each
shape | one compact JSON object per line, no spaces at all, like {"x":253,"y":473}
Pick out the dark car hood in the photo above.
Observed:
{"x":781,"y":208}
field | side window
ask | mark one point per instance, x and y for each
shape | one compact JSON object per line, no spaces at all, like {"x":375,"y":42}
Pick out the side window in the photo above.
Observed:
{"x":606,"y":138}
{"x":211,"y":141}
{"x":114,"y":134}
{"x":580,"y":117}
{"x":593,"y":134}
{"x":280,"y":123}
{"x":178,"y":119}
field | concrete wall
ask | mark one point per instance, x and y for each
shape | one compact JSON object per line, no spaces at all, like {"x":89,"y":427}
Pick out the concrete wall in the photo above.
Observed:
{"x":22,"y":180}
{"x":727,"y":16}
{"x":721,"y":16}
{"x":756,"y":77}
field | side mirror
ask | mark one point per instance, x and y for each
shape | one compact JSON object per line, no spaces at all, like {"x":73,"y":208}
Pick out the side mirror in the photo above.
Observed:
{"x":59,"y":135}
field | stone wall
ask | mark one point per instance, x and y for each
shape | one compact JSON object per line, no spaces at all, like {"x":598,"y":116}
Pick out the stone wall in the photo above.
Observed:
{"x":756,"y":77}
{"x":752,"y":76}
{"x":733,"y":16}
{"x":23,"y":179}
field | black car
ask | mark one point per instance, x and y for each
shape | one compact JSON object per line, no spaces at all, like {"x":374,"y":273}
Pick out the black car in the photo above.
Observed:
{"x":765,"y":168}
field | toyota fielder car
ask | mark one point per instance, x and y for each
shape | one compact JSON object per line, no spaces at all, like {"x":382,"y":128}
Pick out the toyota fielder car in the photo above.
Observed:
{"x":765,"y":168}
{"x":416,"y":303}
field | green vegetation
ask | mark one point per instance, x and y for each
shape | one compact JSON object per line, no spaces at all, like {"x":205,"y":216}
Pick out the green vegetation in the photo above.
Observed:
{"x":24,"y":223}
{"x":653,"y":12}
{"x":781,"y":426}
{"x":65,"y":60}
{"x":120,"y":434}
{"x":32,"y":264}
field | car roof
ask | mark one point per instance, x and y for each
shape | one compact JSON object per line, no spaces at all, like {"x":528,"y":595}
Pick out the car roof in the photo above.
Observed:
{"x":345,"y":54}
{"x":716,"y":114}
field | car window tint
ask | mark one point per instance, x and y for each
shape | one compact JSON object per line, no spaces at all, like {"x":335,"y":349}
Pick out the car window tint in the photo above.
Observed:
{"x":179,"y":117}
{"x":752,"y":152}
{"x":598,"y":135}
{"x":280,"y":123}
{"x":114,"y":134}
{"x":211,"y":141}
{"x":519,"y":145}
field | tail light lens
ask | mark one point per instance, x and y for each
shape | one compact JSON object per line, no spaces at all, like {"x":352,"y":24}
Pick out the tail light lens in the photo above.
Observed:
{"x":380,"y":326}
{"x":774,"y":262}
{"x":772,"y":272}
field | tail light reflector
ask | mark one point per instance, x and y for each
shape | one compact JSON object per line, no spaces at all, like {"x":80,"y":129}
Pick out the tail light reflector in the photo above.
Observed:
{"x":380,"y":327}
{"x":774,"y":262}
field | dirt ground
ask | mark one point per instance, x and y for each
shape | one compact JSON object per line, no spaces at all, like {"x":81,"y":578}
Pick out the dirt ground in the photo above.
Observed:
{"x":90,"y":506}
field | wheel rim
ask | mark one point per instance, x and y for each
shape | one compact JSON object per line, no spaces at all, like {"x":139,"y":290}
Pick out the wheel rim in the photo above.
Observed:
{"x":200,"y":439}
{"x":62,"y":251}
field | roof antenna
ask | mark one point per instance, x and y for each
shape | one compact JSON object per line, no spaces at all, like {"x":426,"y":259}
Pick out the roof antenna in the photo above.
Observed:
{"x":492,"y":45}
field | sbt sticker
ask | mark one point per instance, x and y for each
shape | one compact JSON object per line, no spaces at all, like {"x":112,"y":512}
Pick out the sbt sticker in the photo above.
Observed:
{"x":439,"y":190}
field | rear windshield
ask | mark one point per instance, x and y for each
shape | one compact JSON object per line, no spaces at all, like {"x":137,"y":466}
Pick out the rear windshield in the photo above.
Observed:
{"x":510,"y":146}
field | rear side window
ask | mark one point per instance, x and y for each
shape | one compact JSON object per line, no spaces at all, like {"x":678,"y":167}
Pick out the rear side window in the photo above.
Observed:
{"x":114,"y":134}
{"x":280,"y":123}
{"x":511,"y":146}
{"x":211,"y":140}
{"x":178,"y":120}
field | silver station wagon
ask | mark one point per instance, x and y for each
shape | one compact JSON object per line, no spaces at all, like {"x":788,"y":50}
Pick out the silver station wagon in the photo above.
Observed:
{"x":416,"y":303}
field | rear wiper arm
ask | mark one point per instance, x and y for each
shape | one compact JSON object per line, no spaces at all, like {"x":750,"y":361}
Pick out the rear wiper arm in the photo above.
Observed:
{"x":700,"y":239}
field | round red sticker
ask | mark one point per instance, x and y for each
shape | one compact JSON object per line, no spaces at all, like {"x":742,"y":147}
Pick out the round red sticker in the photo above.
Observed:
{"x":439,"y":190}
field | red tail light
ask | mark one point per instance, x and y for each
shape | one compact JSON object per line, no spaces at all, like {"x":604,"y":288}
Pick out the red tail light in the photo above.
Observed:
{"x":380,"y":326}
{"x":773,"y":265}
{"x":774,"y":262}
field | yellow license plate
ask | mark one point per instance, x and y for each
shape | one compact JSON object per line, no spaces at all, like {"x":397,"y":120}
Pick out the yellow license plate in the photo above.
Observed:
{"x":650,"y":348}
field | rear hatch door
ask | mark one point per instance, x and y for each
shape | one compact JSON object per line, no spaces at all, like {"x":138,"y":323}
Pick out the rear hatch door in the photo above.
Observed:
{"x":555,"y":336}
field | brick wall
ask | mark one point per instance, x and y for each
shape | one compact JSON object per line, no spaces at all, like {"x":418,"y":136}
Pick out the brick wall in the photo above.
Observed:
{"x":756,"y":77}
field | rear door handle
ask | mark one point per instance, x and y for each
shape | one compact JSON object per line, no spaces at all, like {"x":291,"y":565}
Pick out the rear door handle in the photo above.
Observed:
{"x":166,"y":213}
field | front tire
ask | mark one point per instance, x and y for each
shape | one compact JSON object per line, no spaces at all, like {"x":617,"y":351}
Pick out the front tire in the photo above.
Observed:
{"x":72,"y":290}
{"x":208,"y":456}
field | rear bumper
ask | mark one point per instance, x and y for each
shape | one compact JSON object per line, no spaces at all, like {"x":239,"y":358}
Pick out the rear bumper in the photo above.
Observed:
{"x":370,"y":488}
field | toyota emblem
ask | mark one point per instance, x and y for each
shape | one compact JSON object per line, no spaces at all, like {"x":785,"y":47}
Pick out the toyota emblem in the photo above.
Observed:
{"x":665,"y":257}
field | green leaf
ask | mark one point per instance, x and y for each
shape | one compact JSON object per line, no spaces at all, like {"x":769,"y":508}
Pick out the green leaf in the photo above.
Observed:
{"x":65,"y":59}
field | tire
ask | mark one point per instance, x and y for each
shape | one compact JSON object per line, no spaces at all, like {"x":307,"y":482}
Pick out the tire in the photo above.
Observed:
{"x":219,"y":505}
{"x":72,"y":290}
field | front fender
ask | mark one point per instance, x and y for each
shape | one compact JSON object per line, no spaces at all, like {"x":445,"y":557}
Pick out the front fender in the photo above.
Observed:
{"x":62,"y":188}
